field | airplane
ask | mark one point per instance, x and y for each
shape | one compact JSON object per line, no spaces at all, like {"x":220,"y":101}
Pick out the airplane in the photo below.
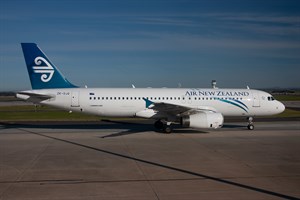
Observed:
{"x":198,"y":108}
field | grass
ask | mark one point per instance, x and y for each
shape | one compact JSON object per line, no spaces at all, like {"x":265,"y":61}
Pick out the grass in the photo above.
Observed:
{"x":45,"y":113}
{"x":287,"y":97}
{"x":288,"y":113}
{"x":41,"y":113}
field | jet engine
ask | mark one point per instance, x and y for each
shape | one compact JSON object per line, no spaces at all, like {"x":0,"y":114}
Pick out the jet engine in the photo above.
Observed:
{"x":203,"y":120}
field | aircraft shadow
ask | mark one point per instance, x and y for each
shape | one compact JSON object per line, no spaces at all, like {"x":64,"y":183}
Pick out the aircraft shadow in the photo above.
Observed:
{"x":233,"y":126}
{"x":100,"y":125}
{"x":125,"y":127}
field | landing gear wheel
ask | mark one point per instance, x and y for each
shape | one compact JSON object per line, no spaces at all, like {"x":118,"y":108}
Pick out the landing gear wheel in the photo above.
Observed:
{"x":250,"y":126}
{"x":164,"y":126}
{"x":167,"y":129}
{"x":250,"y":123}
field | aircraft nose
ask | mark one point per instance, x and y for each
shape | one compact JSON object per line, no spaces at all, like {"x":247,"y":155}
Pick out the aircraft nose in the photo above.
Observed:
{"x":280,"y":107}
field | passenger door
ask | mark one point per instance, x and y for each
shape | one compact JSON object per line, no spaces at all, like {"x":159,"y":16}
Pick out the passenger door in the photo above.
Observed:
{"x":256,"y":101}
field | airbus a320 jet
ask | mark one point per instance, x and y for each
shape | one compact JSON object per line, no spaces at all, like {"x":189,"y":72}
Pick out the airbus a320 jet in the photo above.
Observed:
{"x":198,"y":108}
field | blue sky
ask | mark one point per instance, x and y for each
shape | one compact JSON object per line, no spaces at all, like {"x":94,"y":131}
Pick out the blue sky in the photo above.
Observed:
{"x":155,"y":43}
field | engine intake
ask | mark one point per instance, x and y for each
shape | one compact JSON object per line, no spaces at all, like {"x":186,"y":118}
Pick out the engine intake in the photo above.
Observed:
{"x":203,"y":120}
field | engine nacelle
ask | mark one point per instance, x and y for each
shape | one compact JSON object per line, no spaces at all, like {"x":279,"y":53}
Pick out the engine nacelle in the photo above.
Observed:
{"x":203,"y":120}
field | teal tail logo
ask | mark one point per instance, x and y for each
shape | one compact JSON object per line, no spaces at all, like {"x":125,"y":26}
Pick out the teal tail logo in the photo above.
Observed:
{"x":45,"y":71}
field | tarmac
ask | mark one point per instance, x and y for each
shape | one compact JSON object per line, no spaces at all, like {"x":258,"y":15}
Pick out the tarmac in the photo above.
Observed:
{"x":130,"y":160}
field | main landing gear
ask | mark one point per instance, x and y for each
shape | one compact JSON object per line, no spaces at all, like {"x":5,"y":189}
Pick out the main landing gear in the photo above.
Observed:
{"x":163,"y":125}
{"x":250,"y":123}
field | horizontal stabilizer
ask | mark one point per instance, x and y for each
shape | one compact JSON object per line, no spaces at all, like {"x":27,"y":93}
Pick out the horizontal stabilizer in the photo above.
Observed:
{"x":33,"y":97}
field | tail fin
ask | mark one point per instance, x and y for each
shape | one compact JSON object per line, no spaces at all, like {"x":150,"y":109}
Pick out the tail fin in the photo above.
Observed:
{"x":43,"y":74}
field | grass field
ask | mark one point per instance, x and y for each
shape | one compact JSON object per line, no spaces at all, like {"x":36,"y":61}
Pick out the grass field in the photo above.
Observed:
{"x":45,"y":113}
{"x":287,"y":97}
{"x":41,"y":113}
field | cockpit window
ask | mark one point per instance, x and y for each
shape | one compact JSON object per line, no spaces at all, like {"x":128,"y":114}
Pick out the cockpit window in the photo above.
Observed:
{"x":271,"y":98}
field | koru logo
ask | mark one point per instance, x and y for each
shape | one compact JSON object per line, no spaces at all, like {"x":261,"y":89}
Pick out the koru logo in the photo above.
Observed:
{"x":46,"y":71}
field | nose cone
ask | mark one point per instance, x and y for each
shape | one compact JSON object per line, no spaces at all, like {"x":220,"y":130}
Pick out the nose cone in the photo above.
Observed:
{"x":280,"y":107}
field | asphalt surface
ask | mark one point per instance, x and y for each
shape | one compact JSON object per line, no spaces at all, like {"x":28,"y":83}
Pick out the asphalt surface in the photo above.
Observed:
{"x":130,"y":160}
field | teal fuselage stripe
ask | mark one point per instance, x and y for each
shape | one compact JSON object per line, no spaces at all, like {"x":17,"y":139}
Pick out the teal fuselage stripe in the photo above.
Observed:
{"x":233,"y":103}
{"x":240,"y":103}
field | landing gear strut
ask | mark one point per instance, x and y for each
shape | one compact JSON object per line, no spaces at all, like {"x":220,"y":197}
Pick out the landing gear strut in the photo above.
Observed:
{"x":163,"y":125}
{"x":250,"y":123}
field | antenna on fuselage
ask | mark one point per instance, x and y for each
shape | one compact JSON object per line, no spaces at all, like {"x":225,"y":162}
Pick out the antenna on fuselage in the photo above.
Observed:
{"x":214,"y":84}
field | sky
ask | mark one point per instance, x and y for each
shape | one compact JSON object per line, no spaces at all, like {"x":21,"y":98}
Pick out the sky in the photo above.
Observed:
{"x":155,"y":43}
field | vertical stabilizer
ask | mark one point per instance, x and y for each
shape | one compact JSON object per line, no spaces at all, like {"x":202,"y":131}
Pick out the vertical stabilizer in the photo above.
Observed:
{"x":42,"y":73}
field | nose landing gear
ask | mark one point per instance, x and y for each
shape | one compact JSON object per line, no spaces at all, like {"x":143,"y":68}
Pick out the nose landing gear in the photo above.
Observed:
{"x":250,"y":123}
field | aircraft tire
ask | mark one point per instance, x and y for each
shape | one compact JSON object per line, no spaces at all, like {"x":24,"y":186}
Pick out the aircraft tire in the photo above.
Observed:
{"x":167,"y":129}
{"x":250,"y":127}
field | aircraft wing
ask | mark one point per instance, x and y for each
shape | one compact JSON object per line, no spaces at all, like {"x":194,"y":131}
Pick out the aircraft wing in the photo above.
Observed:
{"x":176,"y":110}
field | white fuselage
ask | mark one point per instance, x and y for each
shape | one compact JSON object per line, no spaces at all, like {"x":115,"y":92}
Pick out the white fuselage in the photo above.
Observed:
{"x":127,"y":102}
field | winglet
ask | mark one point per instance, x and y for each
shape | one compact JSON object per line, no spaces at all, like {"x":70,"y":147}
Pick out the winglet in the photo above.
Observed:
{"x":148,"y":102}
